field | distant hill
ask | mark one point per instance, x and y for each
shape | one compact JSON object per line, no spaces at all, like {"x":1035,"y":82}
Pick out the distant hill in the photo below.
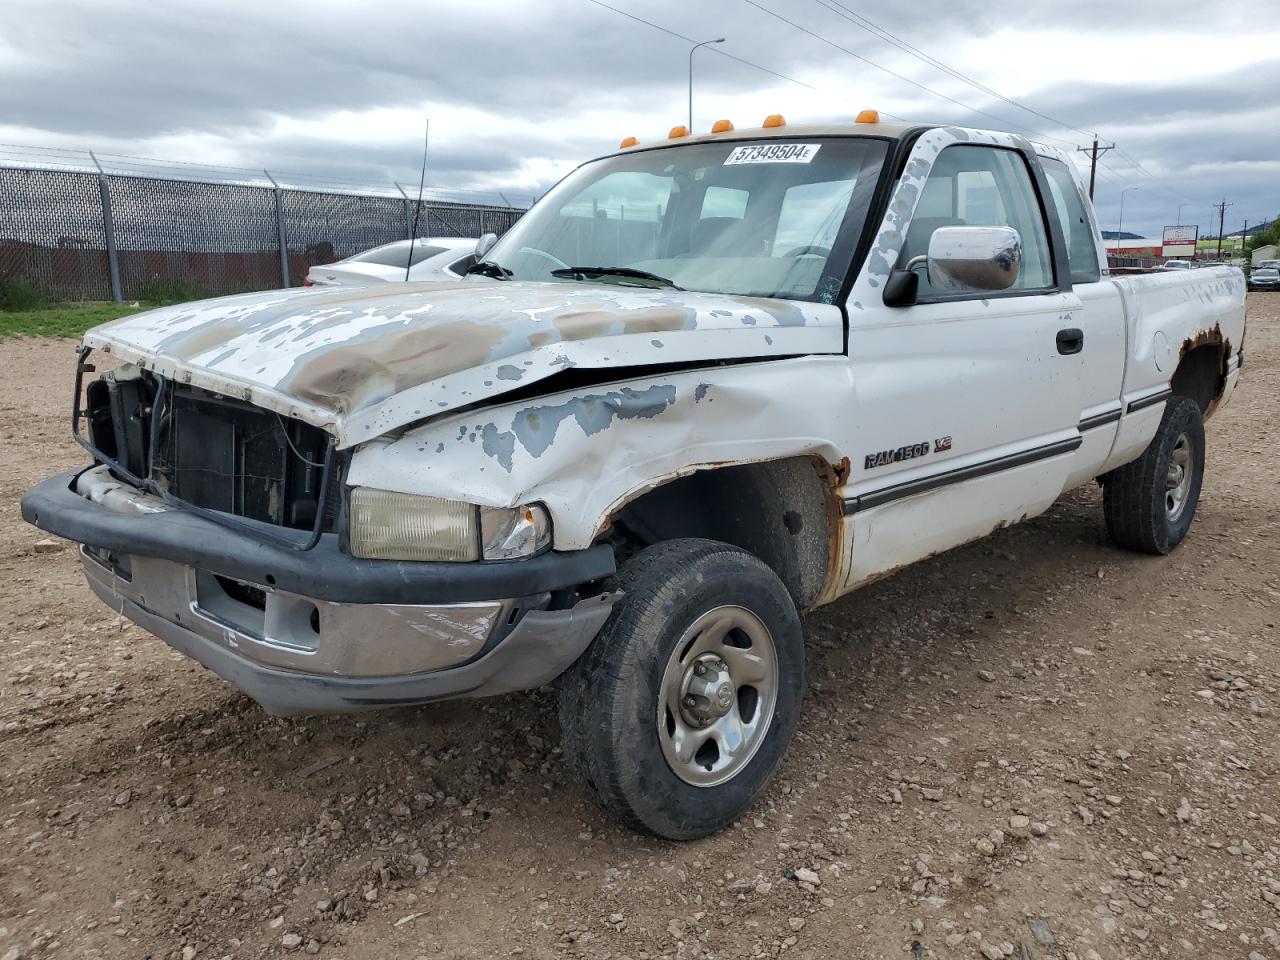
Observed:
{"x":1120,"y":235}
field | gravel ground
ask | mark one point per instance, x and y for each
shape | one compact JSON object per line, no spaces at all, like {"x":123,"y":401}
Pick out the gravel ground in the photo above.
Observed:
{"x":1034,"y":746}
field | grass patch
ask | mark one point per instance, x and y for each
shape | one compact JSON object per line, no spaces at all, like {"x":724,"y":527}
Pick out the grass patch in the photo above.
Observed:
{"x":163,"y":291}
{"x":62,"y":319}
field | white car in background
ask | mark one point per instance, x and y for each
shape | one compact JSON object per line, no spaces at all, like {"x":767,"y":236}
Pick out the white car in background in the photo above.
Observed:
{"x":434,"y":259}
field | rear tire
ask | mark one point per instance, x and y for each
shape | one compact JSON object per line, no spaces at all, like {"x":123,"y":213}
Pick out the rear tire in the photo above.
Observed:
{"x":1149,"y":504}
{"x":678,"y":713}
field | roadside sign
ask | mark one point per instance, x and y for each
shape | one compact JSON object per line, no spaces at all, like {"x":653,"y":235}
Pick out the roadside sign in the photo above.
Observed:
{"x":1180,"y":241}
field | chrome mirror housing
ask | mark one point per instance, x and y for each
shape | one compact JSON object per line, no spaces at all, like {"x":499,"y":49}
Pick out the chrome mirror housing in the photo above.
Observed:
{"x":974,"y":258}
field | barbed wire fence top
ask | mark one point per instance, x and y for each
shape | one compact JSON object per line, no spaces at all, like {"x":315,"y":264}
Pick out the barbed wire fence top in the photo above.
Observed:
{"x":75,"y":226}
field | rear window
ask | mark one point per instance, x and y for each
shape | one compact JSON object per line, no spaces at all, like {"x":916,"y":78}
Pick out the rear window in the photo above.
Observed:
{"x":393,"y":254}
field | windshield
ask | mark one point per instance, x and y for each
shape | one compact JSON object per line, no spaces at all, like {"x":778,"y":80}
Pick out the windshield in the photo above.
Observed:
{"x":768,"y":218}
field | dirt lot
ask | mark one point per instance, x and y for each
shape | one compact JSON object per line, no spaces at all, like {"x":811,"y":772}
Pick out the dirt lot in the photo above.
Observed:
{"x":1035,"y":746}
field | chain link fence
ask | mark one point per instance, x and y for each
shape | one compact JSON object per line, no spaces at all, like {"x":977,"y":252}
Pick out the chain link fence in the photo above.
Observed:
{"x":99,"y":234}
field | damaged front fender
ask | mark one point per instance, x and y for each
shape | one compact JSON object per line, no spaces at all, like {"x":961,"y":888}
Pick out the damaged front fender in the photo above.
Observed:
{"x":586,"y":453}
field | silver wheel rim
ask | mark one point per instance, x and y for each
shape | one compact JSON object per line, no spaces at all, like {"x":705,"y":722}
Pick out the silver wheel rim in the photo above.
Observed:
{"x":1178,"y":483}
{"x":717,"y":697}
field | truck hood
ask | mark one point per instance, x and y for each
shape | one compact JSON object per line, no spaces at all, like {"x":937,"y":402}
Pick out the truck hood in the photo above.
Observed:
{"x":362,"y":361}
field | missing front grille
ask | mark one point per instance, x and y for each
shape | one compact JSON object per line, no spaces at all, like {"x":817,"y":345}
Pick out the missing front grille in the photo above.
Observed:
{"x":246,"y":593}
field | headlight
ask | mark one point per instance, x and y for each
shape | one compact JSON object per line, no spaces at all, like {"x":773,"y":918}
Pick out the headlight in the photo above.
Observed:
{"x":402,"y":526}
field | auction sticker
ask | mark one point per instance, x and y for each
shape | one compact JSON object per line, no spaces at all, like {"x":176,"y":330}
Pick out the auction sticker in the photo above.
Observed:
{"x":773,"y":153}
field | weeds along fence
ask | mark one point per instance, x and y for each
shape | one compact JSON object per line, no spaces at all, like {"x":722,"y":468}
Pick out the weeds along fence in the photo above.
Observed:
{"x":110,"y":234}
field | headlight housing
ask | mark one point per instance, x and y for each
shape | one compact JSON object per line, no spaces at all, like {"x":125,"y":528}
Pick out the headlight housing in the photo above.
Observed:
{"x":383,"y":525}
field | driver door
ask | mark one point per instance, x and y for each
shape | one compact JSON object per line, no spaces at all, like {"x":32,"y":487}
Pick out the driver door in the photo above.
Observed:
{"x":966,"y":406}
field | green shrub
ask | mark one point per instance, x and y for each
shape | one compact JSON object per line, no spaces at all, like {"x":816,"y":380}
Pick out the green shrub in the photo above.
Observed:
{"x":166,"y":290}
{"x":17,"y":294}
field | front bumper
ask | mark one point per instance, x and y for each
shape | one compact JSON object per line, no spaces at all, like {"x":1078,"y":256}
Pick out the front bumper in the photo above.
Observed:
{"x":323,"y":572}
{"x":234,"y":604}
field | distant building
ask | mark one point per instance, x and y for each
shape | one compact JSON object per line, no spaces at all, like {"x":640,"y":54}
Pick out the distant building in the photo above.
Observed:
{"x":1134,"y":247}
{"x":1269,"y":252}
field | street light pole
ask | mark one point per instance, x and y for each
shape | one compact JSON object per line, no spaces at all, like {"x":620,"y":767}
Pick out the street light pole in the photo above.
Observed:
{"x":1120,"y":227}
{"x":691,"y":52}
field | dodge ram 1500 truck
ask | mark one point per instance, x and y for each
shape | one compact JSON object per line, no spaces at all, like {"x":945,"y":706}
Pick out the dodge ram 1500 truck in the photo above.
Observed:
{"x":704,"y":385}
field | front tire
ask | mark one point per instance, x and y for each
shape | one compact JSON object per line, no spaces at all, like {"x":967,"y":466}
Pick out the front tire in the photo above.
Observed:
{"x":1149,"y":504}
{"x":678,"y":713}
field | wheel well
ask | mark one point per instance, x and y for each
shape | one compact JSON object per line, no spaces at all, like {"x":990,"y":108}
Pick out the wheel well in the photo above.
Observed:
{"x":1201,"y":374}
{"x":782,"y":511}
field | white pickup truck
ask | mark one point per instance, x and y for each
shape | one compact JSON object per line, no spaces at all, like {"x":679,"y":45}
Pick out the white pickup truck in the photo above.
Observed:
{"x":704,"y":385}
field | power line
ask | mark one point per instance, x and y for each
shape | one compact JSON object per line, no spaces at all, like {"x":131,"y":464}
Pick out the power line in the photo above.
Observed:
{"x":841,"y":10}
{"x":681,"y":36}
{"x":1132,"y":161}
{"x":903,"y":45}
{"x":895,"y":74}
{"x":876,"y":30}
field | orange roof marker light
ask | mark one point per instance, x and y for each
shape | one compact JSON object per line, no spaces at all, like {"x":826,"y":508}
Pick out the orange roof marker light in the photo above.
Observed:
{"x":722,"y":126}
{"x":774,"y":120}
{"x":679,"y":130}
{"x":628,"y":142}
{"x":868,"y":116}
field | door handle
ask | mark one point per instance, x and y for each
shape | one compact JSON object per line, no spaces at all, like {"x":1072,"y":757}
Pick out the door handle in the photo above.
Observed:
{"x":1070,"y":341}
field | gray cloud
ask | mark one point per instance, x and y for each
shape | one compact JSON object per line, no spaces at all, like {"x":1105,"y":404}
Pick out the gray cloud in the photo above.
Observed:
{"x":127,"y":73}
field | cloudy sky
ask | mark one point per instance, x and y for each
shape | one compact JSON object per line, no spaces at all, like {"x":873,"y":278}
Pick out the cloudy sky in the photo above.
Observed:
{"x":518,"y":91}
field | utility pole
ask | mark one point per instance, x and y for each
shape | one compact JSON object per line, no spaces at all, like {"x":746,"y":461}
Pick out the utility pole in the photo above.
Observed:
{"x":1094,"y":152}
{"x":1222,"y":215}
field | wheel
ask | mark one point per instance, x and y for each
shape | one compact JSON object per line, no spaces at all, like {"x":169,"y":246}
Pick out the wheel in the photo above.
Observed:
{"x":678,"y":713}
{"x":1149,"y":504}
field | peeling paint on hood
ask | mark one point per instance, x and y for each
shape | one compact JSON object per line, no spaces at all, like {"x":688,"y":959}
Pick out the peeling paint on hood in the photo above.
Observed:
{"x":361,"y":361}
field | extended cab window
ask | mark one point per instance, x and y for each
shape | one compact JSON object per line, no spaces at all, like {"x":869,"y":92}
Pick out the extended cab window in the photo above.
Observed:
{"x":1081,"y":251}
{"x":769,"y":218}
{"x":982,"y":187}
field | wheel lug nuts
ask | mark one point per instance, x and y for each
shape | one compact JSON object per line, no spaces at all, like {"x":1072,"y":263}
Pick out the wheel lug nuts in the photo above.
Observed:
{"x":699,"y":669}
{"x":690,"y":702}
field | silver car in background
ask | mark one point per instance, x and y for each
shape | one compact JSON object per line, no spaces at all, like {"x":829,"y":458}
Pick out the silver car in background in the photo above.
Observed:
{"x":436,"y":259}
{"x":1264,"y":278}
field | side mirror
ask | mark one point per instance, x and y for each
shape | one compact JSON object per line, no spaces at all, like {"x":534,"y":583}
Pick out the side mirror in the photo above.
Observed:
{"x":485,"y":244}
{"x":974,"y":258}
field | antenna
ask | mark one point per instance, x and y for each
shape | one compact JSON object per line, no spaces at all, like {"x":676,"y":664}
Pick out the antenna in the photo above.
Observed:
{"x":417,"y":209}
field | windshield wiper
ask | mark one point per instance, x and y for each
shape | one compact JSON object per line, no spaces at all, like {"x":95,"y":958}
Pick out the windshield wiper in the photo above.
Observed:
{"x":488,"y":268}
{"x":630,"y":273}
